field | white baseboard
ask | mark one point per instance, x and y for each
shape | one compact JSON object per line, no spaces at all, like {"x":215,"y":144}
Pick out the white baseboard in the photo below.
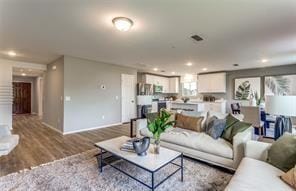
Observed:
{"x":51,"y":127}
{"x":92,"y":128}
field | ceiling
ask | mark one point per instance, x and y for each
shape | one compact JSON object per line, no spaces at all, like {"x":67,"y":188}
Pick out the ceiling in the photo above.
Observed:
{"x":234,"y":32}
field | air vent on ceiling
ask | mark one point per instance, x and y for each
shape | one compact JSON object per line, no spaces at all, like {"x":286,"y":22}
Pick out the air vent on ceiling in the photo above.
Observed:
{"x":196,"y":37}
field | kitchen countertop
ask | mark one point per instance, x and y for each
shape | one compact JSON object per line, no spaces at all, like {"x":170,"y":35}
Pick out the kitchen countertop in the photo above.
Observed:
{"x":197,"y":102}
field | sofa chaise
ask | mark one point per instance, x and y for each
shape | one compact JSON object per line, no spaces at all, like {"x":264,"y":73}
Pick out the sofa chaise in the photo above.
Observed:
{"x":254,"y":173}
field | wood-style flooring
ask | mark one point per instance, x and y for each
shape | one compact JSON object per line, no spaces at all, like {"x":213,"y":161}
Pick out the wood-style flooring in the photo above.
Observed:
{"x":40,"y":144}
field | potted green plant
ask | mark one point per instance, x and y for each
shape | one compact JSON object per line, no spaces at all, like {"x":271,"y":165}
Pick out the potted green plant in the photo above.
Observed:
{"x":158,"y":126}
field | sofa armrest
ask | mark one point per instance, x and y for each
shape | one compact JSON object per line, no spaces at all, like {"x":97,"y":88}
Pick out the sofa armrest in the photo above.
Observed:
{"x":4,"y":130}
{"x":257,"y":150}
{"x":140,"y":124}
{"x":239,"y":142}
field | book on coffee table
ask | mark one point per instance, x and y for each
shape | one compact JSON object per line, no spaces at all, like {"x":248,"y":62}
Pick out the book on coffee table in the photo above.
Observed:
{"x":128,"y":145}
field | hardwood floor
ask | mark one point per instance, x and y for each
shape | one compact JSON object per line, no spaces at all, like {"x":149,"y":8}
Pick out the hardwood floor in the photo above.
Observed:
{"x":40,"y":144}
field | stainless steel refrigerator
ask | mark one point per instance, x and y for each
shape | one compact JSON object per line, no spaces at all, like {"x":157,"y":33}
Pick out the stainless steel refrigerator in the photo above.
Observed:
{"x":144,"y":89}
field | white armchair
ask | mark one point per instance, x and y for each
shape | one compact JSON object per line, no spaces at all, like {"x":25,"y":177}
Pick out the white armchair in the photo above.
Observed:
{"x":7,"y":141}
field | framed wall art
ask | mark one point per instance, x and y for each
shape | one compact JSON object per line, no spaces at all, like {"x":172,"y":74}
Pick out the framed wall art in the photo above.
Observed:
{"x":244,"y":87}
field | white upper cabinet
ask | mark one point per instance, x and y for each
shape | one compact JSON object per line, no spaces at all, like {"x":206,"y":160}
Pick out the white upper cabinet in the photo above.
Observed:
{"x":170,"y":85}
{"x":174,"y":85}
{"x":212,"y":83}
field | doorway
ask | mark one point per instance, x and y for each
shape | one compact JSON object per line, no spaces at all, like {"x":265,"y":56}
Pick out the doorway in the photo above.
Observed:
{"x":128,"y":94}
{"x":21,"y":98}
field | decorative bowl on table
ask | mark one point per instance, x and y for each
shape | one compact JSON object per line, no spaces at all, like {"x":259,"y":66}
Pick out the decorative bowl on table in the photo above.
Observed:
{"x":141,"y":146}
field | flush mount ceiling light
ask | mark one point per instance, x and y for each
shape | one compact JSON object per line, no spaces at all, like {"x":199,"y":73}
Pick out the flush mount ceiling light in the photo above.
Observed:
{"x":264,"y":60}
{"x":188,"y":64}
{"x":204,"y":69}
{"x":155,"y":69}
{"x":122,"y":23}
{"x":11,"y":53}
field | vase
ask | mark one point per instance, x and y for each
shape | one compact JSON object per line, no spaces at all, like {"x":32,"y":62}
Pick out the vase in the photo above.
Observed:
{"x":156,"y":146}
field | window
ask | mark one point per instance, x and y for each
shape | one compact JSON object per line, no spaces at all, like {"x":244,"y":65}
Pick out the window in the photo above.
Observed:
{"x":189,"y":88}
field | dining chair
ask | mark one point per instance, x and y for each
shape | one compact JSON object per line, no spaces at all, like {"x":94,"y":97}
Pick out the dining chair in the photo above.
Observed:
{"x":235,"y":107}
{"x":252,"y":114}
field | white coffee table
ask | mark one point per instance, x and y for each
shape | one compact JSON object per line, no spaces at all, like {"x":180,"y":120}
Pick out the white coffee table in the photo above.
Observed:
{"x":150,"y":163}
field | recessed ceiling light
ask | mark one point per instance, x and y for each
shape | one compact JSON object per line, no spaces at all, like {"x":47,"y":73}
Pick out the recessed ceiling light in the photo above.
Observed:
{"x":173,"y":73}
{"x":204,"y":69}
{"x":11,"y":53}
{"x":235,"y":65}
{"x":155,"y":69}
{"x":189,"y":64}
{"x":264,"y":60}
{"x":122,"y":23}
{"x":24,"y":74}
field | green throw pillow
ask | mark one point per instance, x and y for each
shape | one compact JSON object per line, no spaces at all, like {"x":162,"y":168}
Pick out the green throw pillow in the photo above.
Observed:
{"x":230,"y":120}
{"x":238,"y":127}
{"x":282,"y":153}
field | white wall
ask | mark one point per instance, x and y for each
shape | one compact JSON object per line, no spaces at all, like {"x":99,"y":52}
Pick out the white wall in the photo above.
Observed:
{"x":5,"y":93}
{"x":53,"y":105}
{"x":89,"y":102}
{"x":39,"y":93}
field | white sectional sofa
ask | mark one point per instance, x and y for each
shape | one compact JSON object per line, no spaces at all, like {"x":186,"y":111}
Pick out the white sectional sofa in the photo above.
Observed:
{"x":7,"y":140}
{"x":201,"y":146}
{"x":255,"y":174}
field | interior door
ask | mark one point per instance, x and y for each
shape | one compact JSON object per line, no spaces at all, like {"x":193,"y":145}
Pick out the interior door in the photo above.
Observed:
{"x":128,"y":94}
{"x":21,"y":98}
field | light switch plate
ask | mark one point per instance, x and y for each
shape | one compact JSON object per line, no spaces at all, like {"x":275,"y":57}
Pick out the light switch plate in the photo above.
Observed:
{"x":103,"y":86}
{"x":68,"y":98}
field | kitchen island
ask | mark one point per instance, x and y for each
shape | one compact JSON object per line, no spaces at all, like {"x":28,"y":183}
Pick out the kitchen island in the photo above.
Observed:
{"x":195,"y":107}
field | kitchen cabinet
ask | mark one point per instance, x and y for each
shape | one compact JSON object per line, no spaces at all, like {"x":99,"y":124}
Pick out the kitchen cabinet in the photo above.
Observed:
{"x":170,"y":85}
{"x":174,"y":85}
{"x":212,"y":83}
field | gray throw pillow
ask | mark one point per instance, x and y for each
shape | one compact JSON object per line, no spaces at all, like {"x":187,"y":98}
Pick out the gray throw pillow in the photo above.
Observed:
{"x":210,"y":119}
{"x":216,"y":127}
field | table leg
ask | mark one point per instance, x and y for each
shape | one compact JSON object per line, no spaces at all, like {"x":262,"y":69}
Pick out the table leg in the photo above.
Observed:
{"x":132,"y":127}
{"x":152,"y":181}
{"x":182,"y":167}
{"x":101,"y":161}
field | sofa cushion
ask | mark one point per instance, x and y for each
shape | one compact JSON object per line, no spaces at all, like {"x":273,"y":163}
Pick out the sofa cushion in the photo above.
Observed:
{"x":195,"y":140}
{"x":8,"y":142}
{"x":215,"y":127}
{"x":230,"y":120}
{"x":238,"y":127}
{"x":282,"y":153}
{"x":208,"y":115}
{"x":189,"y":122}
{"x":256,"y":175}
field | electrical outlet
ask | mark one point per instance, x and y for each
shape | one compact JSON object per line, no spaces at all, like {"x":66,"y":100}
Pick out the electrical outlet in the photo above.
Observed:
{"x":103,"y":116}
